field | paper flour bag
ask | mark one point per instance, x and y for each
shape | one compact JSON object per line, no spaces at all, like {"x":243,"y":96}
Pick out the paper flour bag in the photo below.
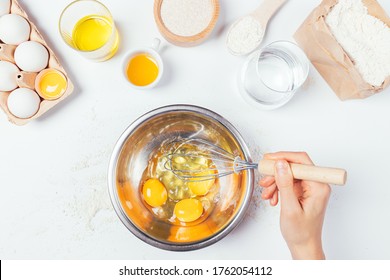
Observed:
{"x":333,"y":62}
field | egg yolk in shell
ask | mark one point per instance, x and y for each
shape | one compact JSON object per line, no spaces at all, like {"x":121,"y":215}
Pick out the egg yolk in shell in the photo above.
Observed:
{"x":52,"y":85}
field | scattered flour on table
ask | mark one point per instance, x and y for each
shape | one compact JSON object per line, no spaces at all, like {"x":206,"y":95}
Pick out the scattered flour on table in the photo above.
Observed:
{"x":186,"y":17}
{"x":257,"y":206}
{"x":88,"y":205}
{"x":91,"y":205}
{"x":245,"y":35}
{"x":364,"y":38}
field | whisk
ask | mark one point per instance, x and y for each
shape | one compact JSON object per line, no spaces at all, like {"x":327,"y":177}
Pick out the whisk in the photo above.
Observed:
{"x":223,"y":163}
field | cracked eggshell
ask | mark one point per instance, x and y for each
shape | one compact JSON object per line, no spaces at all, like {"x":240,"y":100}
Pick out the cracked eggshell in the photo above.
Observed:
{"x":23,"y":103}
{"x":31,"y":56}
{"x":5,"y":6}
{"x":14,"y":29}
{"x":8,"y":72}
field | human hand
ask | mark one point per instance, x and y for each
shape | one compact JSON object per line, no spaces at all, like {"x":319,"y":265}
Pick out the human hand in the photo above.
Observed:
{"x":303,"y":205}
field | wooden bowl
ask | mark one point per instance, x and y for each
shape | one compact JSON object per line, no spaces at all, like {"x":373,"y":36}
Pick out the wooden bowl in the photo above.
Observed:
{"x":185,"y":41}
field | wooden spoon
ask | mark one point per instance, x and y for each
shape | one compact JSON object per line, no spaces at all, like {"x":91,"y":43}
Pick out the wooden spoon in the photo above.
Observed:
{"x":262,"y":15}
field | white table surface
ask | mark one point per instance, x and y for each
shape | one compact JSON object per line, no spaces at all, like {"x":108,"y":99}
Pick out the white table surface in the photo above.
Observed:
{"x":54,"y":201}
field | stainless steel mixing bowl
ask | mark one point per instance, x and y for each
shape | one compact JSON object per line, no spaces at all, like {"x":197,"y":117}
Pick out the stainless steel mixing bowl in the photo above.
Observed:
{"x":130,"y":160}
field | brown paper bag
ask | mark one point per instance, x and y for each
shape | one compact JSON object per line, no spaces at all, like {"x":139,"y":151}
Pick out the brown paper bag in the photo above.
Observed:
{"x":330,"y":59}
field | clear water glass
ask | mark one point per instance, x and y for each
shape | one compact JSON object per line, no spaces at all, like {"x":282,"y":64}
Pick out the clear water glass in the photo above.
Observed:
{"x":271,"y":75}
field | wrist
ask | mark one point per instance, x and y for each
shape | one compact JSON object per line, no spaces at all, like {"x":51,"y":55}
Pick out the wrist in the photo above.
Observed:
{"x":310,"y":251}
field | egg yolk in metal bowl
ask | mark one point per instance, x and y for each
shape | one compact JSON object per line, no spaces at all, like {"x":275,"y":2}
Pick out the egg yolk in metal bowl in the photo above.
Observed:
{"x":154,"y":193}
{"x":176,"y":201}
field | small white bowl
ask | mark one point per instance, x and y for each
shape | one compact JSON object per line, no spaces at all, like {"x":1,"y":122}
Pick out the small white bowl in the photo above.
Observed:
{"x":153,"y":52}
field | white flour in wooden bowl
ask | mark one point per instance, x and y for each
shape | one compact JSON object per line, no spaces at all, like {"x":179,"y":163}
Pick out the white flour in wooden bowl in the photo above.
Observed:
{"x":363,"y":37}
{"x":186,"y":17}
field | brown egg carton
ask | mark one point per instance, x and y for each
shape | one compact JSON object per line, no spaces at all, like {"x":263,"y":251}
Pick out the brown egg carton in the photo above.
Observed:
{"x":27,"y":79}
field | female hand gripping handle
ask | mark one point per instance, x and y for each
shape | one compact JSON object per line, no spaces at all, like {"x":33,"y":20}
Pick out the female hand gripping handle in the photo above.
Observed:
{"x":303,"y":205}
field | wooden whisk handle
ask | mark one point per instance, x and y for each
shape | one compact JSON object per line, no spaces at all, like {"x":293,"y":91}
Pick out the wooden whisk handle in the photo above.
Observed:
{"x":313,"y":173}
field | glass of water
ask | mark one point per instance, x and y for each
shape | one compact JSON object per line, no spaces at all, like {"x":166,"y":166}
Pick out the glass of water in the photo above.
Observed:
{"x":271,"y":75}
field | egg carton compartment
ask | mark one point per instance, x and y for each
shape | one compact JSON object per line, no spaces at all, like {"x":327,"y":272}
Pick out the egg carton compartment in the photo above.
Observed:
{"x":25,"y":79}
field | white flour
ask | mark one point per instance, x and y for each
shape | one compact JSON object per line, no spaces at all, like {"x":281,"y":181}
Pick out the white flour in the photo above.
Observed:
{"x":186,"y":17}
{"x":364,"y":38}
{"x":245,"y":35}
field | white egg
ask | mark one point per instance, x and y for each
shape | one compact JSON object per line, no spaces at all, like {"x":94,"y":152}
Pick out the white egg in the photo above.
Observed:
{"x":5,"y":6}
{"x":31,"y":56}
{"x":8,"y":72}
{"x":14,"y":29}
{"x":23,"y":103}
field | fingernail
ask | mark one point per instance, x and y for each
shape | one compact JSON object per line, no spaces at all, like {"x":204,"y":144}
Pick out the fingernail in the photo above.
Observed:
{"x":281,"y":167}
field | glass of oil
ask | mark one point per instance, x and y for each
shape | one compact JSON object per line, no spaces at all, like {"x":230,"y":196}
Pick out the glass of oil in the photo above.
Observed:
{"x":88,"y":27}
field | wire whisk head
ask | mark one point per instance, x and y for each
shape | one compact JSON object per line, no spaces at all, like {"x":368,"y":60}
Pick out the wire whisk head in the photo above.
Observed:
{"x":198,"y":160}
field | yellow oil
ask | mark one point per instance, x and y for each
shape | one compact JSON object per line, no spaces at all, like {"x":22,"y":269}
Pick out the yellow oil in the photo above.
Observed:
{"x":52,"y":85}
{"x":142,"y":70}
{"x":93,"y":32}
